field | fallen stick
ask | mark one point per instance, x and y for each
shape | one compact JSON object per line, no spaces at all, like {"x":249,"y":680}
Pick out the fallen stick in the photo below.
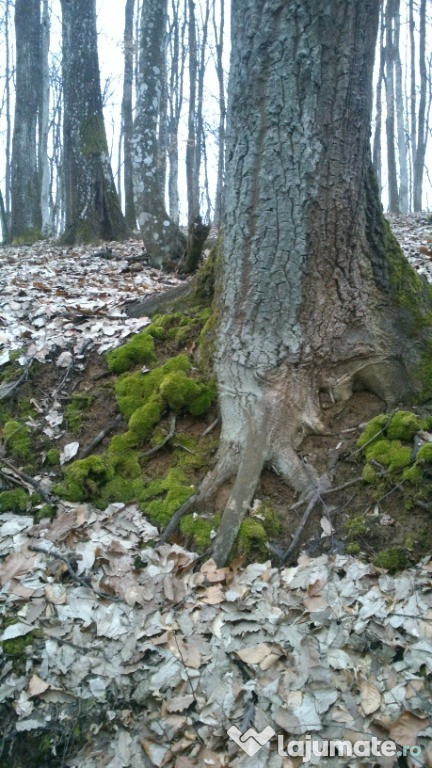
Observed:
{"x":100,"y":436}
{"x":83,"y":582}
{"x":166,"y":440}
{"x":27,"y":479}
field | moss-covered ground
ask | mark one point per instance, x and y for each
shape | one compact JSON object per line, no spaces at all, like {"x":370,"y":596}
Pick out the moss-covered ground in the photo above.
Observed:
{"x":162,"y":377}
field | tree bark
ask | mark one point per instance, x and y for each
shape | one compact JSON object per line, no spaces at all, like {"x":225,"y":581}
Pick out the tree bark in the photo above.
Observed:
{"x":44,"y":122}
{"x":400,"y":118}
{"x":127,"y":118}
{"x":92,"y":205}
{"x":219,"y":32}
{"x":422,"y":128}
{"x":164,"y":242}
{"x":177,"y":51}
{"x":311,"y":298}
{"x":390,"y":14}
{"x":25,"y":183}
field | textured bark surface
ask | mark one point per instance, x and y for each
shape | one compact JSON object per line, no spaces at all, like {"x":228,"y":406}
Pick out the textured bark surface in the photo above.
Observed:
{"x":308,"y":304}
{"x":163,"y":240}
{"x":92,"y":204}
{"x":127,"y":119}
{"x":26,"y":210}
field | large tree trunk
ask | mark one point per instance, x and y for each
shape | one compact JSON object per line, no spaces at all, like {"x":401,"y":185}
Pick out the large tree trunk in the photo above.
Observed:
{"x":26,"y":210}
{"x":92,"y":205}
{"x":163,"y":240}
{"x":311,"y":300}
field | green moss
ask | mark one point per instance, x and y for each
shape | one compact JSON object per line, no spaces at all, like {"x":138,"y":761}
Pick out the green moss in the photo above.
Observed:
{"x":123,"y":442}
{"x":424,"y":455}
{"x":46,"y":511}
{"x":125,"y":489}
{"x":353,"y":548}
{"x":404,"y":425}
{"x":28,"y":237}
{"x":134,"y":390}
{"x":390,"y":453}
{"x":162,"y":497}
{"x":125,"y":463}
{"x":75,"y":411}
{"x":355,"y":527}
{"x":272,"y":524}
{"x":252,"y":540}
{"x":198,"y":529}
{"x":373,"y":428}
{"x":144,"y":419}
{"x":138,"y":350}
{"x":16,"y":438}
{"x":424,"y":373}
{"x":369,"y":475}
{"x":16,"y":646}
{"x":53,"y":457}
{"x":392,"y":559}
{"x":14,"y":501}
{"x":92,"y":136}
{"x":412,"y":475}
{"x":85,"y":478}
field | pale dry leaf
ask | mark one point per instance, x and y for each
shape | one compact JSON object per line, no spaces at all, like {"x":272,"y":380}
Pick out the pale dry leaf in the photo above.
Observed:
{"x":370,"y":697}
{"x":37,"y":686}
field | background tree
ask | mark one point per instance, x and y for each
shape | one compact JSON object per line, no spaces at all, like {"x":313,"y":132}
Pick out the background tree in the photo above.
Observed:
{"x":25,"y":181}
{"x":92,"y":204}
{"x":127,"y":116}
{"x":316,"y":294}
{"x":164,"y":241}
{"x":390,"y":57}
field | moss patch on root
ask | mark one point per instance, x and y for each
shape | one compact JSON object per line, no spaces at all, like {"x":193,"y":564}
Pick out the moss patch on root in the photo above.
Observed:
{"x":390,"y":441}
{"x":15,"y":501}
{"x":16,"y":439}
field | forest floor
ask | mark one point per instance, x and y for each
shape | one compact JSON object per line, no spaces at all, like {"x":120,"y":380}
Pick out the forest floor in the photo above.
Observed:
{"x":117,"y":652}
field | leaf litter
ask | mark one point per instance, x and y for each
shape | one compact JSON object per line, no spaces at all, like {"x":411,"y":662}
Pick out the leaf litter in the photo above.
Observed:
{"x":173,"y":650}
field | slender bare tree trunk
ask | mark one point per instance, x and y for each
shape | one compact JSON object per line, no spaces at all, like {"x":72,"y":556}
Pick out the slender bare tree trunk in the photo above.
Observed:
{"x":44,"y":167}
{"x":422,"y":130}
{"x":163,"y":240}
{"x":8,"y":75}
{"x":400,"y":118}
{"x":127,"y":117}
{"x":413,"y":93}
{"x":26,"y":211}
{"x":219,"y":31}
{"x":390,"y":13}
{"x":177,"y":50}
{"x":92,"y":205}
{"x":191,"y":171}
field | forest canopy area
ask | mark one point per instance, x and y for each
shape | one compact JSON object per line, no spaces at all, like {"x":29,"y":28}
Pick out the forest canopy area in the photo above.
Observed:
{"x":215,"y":384}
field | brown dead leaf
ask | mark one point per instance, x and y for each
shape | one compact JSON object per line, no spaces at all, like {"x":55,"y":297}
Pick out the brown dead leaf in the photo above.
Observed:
{"x":212,"y":573}
{"x":213,"y":595}
{"x":404,"y":731}
{"x":255,"y":654}
{"x":17,"y":564}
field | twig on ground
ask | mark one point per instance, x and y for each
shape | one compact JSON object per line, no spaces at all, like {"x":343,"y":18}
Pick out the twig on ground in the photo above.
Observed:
{"x":27,"y":479}
{"x":296,"y":538}
{"x":169,"y":436}
{"x":210,"y":428}
{"x":100,"y":436}
{"x":83,"y":582}
{"x":9,"y":386}
{"x":173,"y":523}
